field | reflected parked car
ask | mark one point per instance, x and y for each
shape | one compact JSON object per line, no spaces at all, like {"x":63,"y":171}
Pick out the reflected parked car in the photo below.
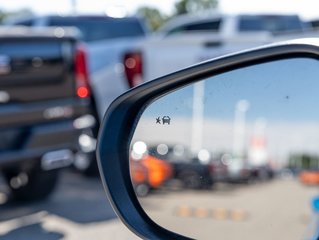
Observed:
{"x":218,"y":170}
{"x":262,"y":173}
{"x":149,"y":173}
{"x":187,"y":169}
{"x":309,"y":177}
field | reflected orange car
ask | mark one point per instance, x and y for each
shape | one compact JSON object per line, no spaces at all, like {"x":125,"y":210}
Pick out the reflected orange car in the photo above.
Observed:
{"x":309,"y":177}
{"x":139,"y":173}
{"x":150,"y":170}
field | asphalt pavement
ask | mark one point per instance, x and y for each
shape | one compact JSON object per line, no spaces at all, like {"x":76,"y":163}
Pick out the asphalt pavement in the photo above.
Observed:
{"x":277,"y":209}
{"x":77,"y":210}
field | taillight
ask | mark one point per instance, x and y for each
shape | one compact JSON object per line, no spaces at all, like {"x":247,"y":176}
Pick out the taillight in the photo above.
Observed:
{"x":81,"y":73}
{"x":133,"y":68}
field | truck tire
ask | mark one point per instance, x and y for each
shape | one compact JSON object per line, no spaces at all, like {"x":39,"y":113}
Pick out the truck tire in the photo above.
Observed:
{"x":92,"y":170}
{"x":33,"y":185}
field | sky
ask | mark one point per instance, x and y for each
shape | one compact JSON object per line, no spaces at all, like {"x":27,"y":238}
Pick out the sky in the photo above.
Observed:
{"x":281,"y":110}
{"x":306,"y":8}
{"x":275,"y":95}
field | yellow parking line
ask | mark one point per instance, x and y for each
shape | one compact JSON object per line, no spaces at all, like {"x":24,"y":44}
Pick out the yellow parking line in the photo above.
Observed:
{"x":238,"y":215}
{"x":220,"y":213}
{"x":216,"y":213}
{"x":184,"y":211}
{"x":201,"y":212}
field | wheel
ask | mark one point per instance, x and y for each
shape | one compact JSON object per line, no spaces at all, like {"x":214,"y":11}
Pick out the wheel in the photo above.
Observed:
{"x":32,"y":185}
{"x":263,"y":175}
{"x":142,"y":190}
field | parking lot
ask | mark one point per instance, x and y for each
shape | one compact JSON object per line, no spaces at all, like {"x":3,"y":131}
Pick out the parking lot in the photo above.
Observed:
{"x":79,"y":210}
{"x":279,"y":209}
{"x":228,"y":151}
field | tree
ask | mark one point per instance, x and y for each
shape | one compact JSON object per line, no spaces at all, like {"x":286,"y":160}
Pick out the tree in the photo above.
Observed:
{"x":192,"y":6}
{"x":15,"y":14}
{"x":153,"y":17}
{"x":2,"y":15}
{"x":303,"y":160}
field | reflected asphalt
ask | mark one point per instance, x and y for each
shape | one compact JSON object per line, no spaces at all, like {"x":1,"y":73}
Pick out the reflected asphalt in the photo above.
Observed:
{"x":77,"y":210}
{"x":278,"y":209}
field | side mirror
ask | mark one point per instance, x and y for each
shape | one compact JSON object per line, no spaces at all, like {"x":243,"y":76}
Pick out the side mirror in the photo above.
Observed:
{"x":204,"y":152}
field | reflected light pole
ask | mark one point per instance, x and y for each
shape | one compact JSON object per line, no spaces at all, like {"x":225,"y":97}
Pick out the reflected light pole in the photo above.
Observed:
{"x":257,"y":154}
{"x":198,"y":117}
{"x":242,"y":107}
{"x":74,"y":7}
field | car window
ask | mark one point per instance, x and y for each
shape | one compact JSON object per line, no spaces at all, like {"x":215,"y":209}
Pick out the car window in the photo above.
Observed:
{"x":209,"y":26}
{"x":314,"y":23}
{"x":269,"y":23}
{"x":27,"y":23}
{"x":94,"y":29}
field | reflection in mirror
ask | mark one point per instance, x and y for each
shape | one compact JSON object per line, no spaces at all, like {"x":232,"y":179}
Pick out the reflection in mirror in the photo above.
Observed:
{"x":234,"y":156}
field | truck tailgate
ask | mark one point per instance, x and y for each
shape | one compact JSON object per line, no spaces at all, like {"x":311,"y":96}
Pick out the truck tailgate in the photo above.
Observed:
{"x":34,"y":70}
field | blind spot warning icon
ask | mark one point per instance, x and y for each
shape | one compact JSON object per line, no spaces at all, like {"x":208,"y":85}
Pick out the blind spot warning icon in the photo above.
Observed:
{"x":166,"y":120}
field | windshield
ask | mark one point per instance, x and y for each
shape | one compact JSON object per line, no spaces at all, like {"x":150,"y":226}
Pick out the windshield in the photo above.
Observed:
{"x":205,"y":26}
{"x":94,"y":29}
{"x":270,"y":23}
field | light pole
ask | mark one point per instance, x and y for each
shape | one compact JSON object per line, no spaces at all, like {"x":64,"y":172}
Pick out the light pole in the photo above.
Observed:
{"x":198,"y":117}
{"x":74,"y":7}
{"x":242,"y":107}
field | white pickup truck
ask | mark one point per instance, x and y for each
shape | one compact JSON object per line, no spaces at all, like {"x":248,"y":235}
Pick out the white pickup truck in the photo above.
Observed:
{"x":106,"y":41}
{"x":190,"y":39}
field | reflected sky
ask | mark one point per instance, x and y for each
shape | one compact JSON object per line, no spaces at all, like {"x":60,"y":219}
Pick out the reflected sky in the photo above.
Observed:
{"x":275,"y":90}
{"x":281,"y":99}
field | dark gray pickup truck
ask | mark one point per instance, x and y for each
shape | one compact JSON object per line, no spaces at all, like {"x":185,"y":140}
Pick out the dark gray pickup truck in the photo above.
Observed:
{"x":44,"y":107}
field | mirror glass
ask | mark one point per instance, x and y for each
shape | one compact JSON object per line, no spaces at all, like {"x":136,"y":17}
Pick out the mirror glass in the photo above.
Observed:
{"x":234,"y":156}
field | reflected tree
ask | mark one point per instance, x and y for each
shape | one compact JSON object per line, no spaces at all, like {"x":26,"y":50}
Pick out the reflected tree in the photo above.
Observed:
{"x":191,"y":6}
{"x":153,"y":16}
{"x":304,"y":161}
